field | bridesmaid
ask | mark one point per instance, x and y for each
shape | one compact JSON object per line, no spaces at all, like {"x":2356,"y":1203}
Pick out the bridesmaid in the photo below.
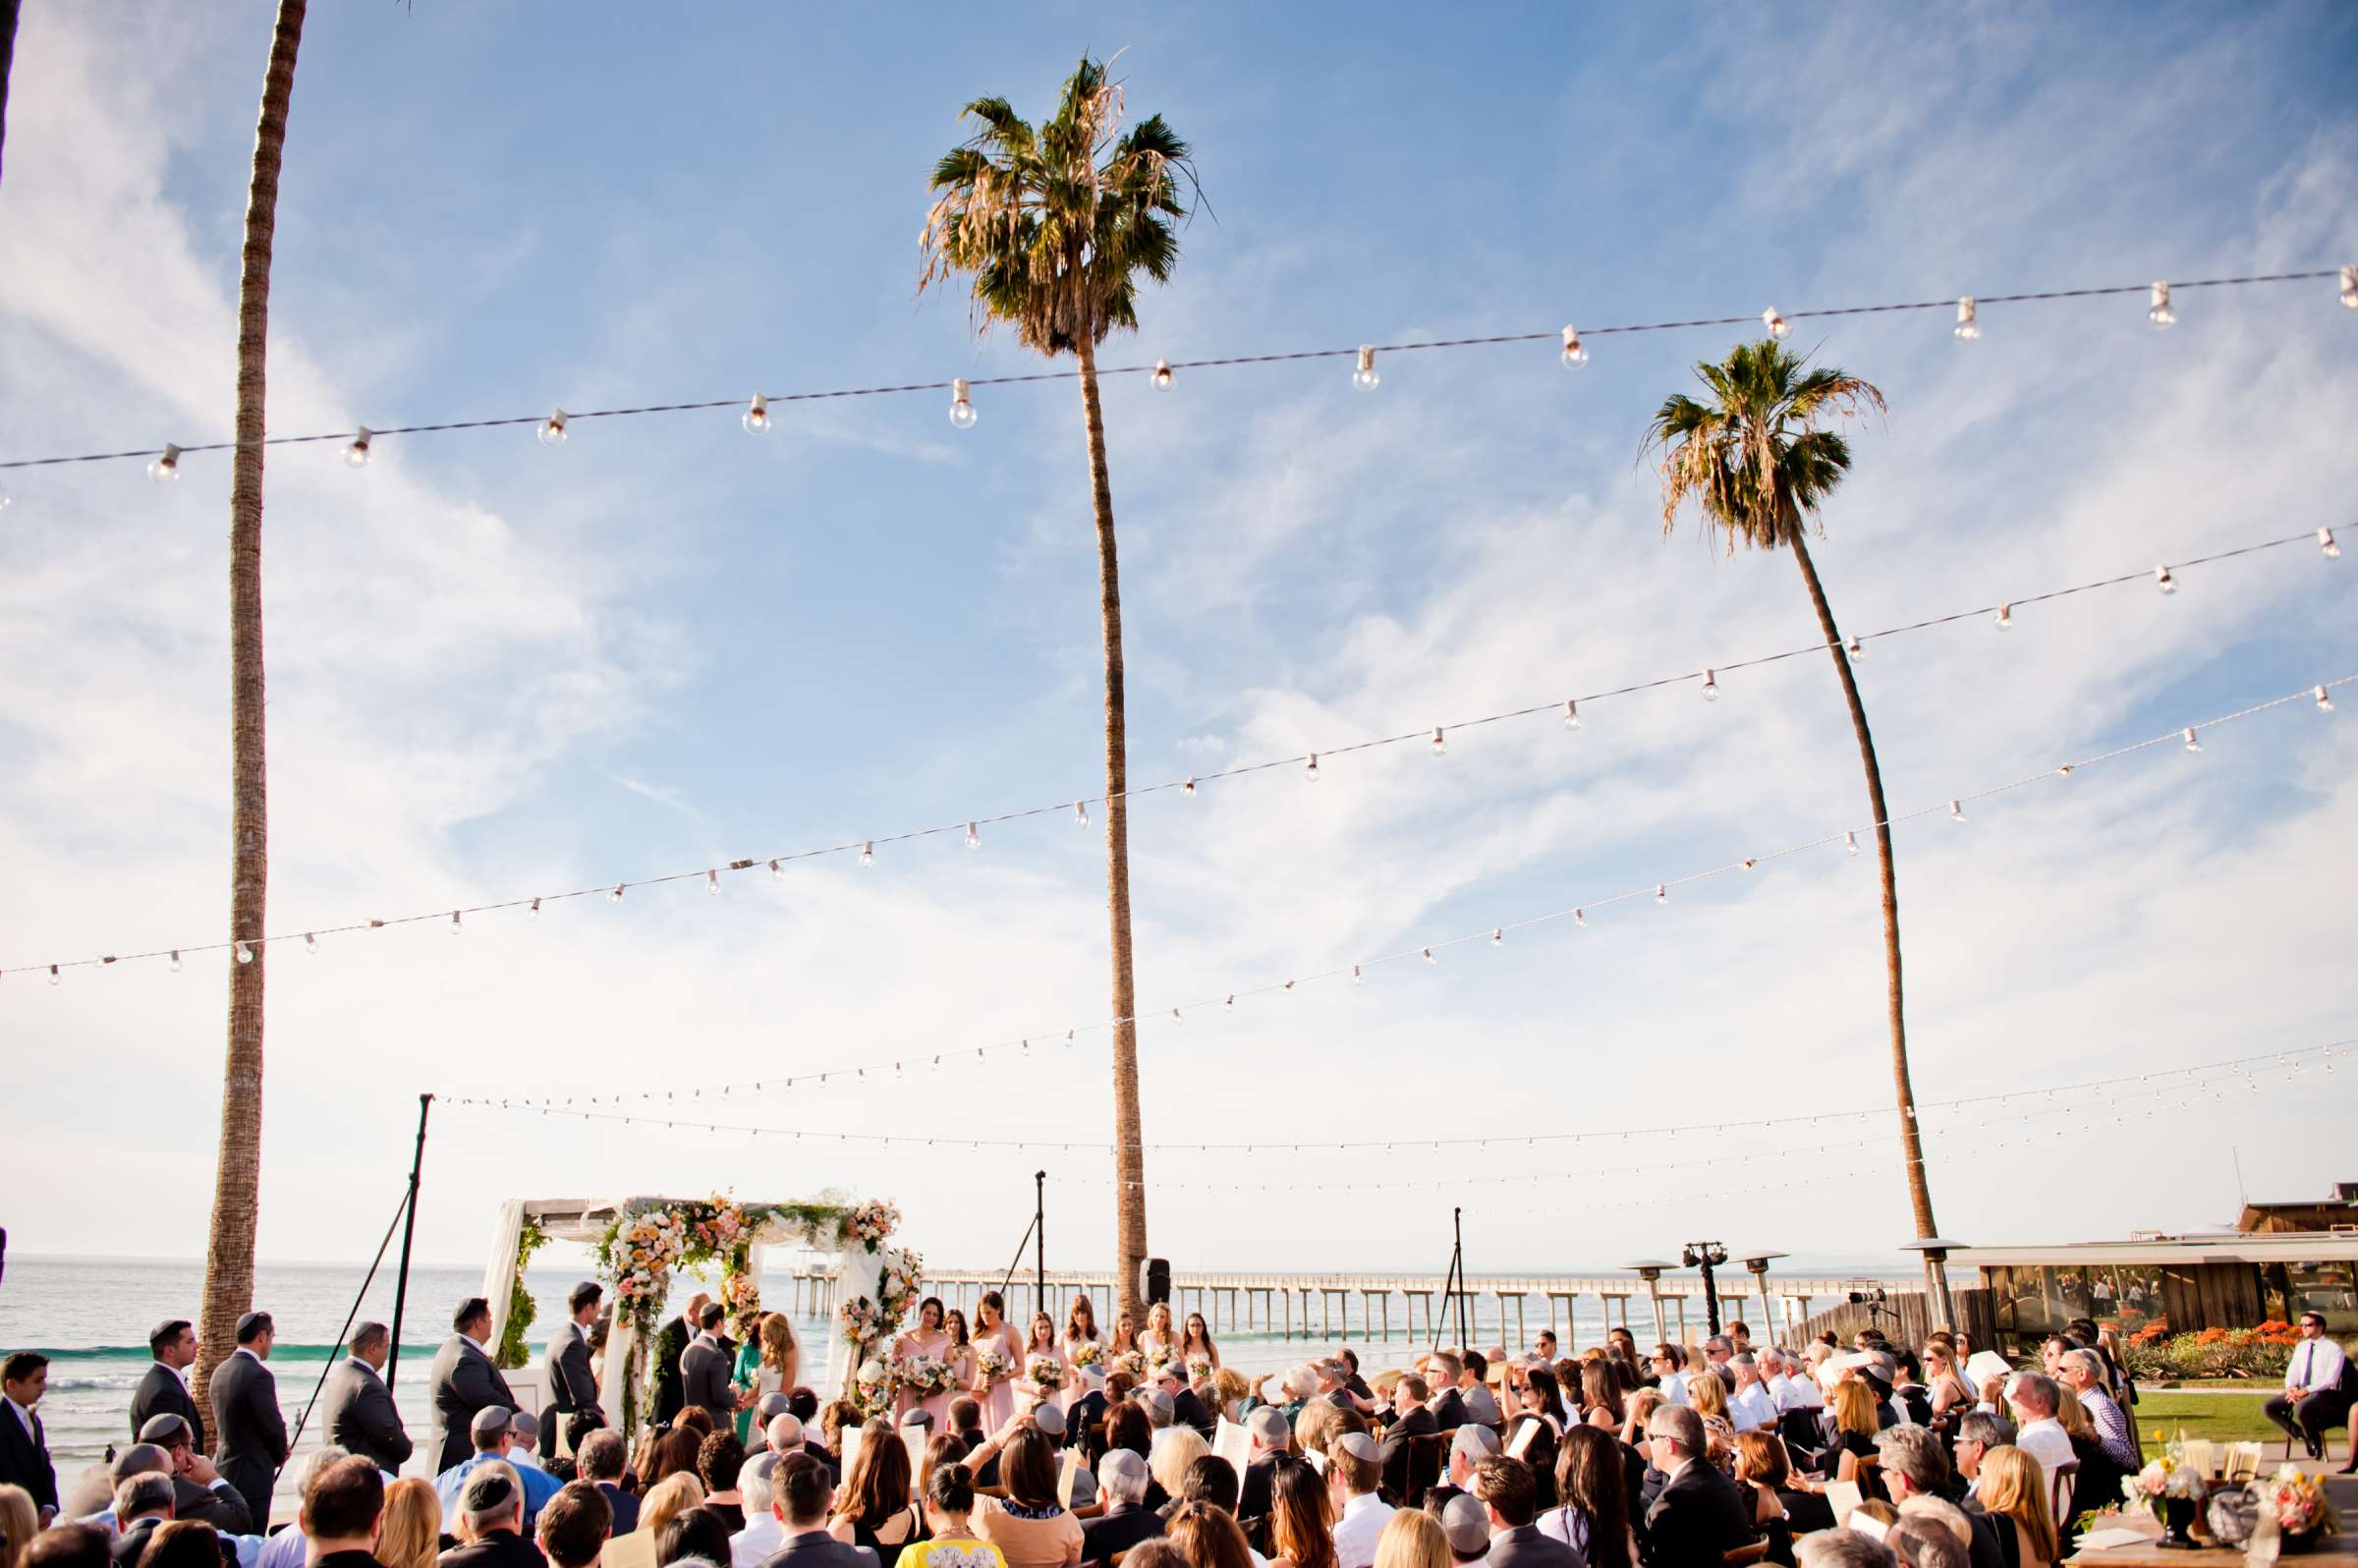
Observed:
{"x":960,"y":1353}
{"x":926,"y":1339}
{"x":1125,"y":1335}
{"x":1158,"y":1342}
{"x":993,"y":1333}
{"x":1198,"y":1343}
{"x":1042,"y":1347}
{"x":1080,"y":1328}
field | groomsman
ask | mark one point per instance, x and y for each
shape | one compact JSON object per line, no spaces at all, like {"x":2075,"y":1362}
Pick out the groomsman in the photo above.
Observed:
{"x":671,"y":1344}
{"x":361,"y":1417}
{"x":24,"y":1444}
{"x":463,"y":1381}
{"x":164,"y":1391}
{"x":568,"y":1390}
{"x":705,"y":1369}
{"x":248,"y":1428}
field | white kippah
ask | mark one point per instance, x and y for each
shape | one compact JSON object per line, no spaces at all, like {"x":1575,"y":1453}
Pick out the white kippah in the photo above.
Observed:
{"x":1358,"y":1444}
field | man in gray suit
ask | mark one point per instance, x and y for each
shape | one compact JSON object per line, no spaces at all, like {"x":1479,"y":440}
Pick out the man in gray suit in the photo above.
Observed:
{"x":463,"y":1381}
{"x":704,"y":1370}
{"x":249,"y":1427}
{"x":568,"y":1390}
{"x":164,"y":1391}
{"x":359,"y":1407}
{"x":1509,"y":1495}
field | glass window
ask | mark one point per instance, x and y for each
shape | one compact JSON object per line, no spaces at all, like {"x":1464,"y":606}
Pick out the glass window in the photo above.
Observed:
{"x":2324,"y":1287}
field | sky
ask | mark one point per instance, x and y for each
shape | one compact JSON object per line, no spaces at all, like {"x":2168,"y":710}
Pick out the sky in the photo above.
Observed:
{"x":497,"y":669}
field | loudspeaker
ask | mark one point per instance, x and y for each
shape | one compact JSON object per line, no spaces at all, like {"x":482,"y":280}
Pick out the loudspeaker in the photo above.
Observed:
{"x":1154,"y":1280}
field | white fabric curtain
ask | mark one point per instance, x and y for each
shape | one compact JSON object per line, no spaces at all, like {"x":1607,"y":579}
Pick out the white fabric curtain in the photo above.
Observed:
{"x":500,"y":1274}
{"x":844,"y":1261}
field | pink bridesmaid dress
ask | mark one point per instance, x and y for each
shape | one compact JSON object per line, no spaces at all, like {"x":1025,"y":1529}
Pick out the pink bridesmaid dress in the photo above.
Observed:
{"x":1072,"y":1365}
{"x":999,"y":1400}
{"x":962,"y":1378}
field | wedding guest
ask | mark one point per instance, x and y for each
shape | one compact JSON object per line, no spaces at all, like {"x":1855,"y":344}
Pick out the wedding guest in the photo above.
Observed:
{"x":1467,"y":1524}
{"x":1849,"y":1426}
{"x":142,"y":1504}
{"x":1089,"y":1403}
{"x":1918,"y":1479}
{"x":1354,"y":1477}
{"x":1508,"y":1492}
{"x":996,"y":1390}
{"x":1749,"y":1406}
{"x":1175,"y":1449}
{"x":1784,"y":1508}
{"x":182,"y":1544}
{"x":288,"y":1547}
{"x":667,"y":1499}
{"x":343,"y":1509}
{"x":1669,"y":1373}
{"x":761,"y":1536}
{"x":1600,"y":1395}
{"x":493,"y":1437}
{"x":877,"y":1507}
{"x":20,"y":1522}
{"x":1949,"y":1393}
{"x":2314,"y":1401}
{"x":574,"y":1528}
{"x":200,"y":1491}
{"x":409,"y":1532}
{"x":1127,"y":1520}
{"x":1186,"y":1409}
{"x":569,"y":1400}
{"x":720,"y":1459}
{"x":491,"y":1514}
{"x":950,"y":1523}
{"x":1270,"y":1439}
{"x":1030,"y":1527}
{"x":1593,"y":1518}
{"x":358,"y":1411}
{"x":462,"y":1383}
{"x":1698,"y":1516}
{"x":66,"y":1546}
{"x":2084,"y":1375}
{"x":164,"y":1390}
{"x":1208,"y":1537}
{"x":1842,"y":1549}
{"x":1410,"y":1420}
{"x":601,"y":1463}
{"x":1976,"y":1433}
{"x":2012,"y":1489}
{"x":1474,"y":1368}
{"x":2034,"y":1399}
{"x":802,"y":1492}
{"x":1301,"y":1517}
{"x":249,"y":1427}
{"x":966,"y":1421}
{"x":23,"y":1440}
{"x":671,"y":1344}
{"x":697,"y":1535}
{"x":1542,"y":1398}
{"x":1211,"y":1480}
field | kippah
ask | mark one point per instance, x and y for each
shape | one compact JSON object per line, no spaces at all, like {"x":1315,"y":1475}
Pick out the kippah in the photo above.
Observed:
{"x":248,"y":1323}
{"x":1050,"y":1420}
{"x":165,"y":1429}
{"x":1358,"y":1444}
{"x":488,"y":1419}
{"x":486,"y":1488}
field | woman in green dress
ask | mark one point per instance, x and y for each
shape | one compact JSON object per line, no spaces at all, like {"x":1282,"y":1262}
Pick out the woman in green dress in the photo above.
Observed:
{"x":766,"y":1364}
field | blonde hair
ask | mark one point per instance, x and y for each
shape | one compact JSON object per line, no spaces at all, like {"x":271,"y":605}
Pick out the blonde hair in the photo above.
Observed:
{"x":2013,"y":1483}
{"x":2073,"y":1416}
{"x":1175,"y":1449}
{"x":777,"y":1341}
{"x":1706,"y":1395}
{"x":1413,"y":1538}
{"x":667,"y":1499}
{"x":1158,"y":1318}
{"x":411,"y":1535}
{"x":20,"y":1522}
{"x":1854,"y":1407}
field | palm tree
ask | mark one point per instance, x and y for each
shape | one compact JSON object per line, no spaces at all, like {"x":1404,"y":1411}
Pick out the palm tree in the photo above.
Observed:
{"x":1759,"y":468}
{"x":237,"y":1174}
{"x":1054,"y":226}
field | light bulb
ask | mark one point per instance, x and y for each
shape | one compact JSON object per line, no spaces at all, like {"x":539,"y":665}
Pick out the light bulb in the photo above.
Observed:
{"x":2065,"y":772}
{"x":1357,"y":978}
{"x":356,"y":452}
{"x":2005,"y":617}
{"x":1580,"y":918}
{"x":2194,"y":742}
{"x":244,"y":953}
{"x":456,"y":927}
{"x":1854,"y":647}
{"x":1310,"y":773}
{"x":1080,"y":814}
{"x":1661,"y":892}
{"x":1175,"y":1015}
{"x":2160,"y":315}
{"x":1163,"y":374}
{"x":2325,"y":542}
{"x":1188,"y":789}
{"x":1571,"y":714}
{"x":1574,"y":354}
{"x":712,"y":883}
{"x":2350,"y":287}
{"x":1778,"y":328}
{"x":615,"y":897}
{"x":53,"y":974}
{"x":4,"y":498}
{"x":1441,"y":746}
{"x":962,"y":407}
{"x":1498,"y":936}
{"x":867,"y":853}
{"x":533,"y":911}
{"x":2164,"y":581}
{"x":1429,"y":958}
{"x":310,"y":944}
{"x":1365,"y":377}
{"x":164,"y":468}
{"x":1711,"y":687}
{"x":552,"y":429}
{"x":755,"y":418}
{"x":2325,"y":701}
{"x":1967,"y":327}
{"x":1956,"y":810}
{"x":1750,"y":862}
{"x":176,"y":961}
{"x":974,"y":839}
{"x":1850,"y":841}
{"x":1230,"y":1004}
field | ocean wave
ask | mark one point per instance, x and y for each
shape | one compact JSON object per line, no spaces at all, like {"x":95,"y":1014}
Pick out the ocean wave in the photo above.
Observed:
{"x":282,"y":1351}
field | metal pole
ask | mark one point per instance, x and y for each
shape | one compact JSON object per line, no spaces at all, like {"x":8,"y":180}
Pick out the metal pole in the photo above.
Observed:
{"x":409,"y":1230}
{"x":1711,"y":1297}
{"x":1457,"y":1250}
{"x":1039,"y":1243}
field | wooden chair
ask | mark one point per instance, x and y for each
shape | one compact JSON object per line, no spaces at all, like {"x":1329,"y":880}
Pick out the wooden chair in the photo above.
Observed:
{"x":2059,"y":1487}
{"x":1422,"y":1468}
{"x":1742,"y":1556}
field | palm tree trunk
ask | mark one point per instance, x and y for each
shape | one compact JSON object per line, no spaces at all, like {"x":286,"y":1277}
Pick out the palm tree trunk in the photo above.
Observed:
{"x":1920,"y":1193}
{"x":237,"y":1176}
{"x":1129,"y":1153}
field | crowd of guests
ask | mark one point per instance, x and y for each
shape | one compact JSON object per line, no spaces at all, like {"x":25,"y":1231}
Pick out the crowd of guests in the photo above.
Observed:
{"x":1869,"y":1455}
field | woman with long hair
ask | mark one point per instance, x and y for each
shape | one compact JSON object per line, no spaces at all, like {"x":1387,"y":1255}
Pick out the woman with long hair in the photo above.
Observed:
{"x":1850,"y":1426}
{"x":674,"y":1454}
{"x":1042,"y":1349}
{"x":1412,"y":1538}
{"x":1764,"y":1465}
{"x":408,"y":1532}
{"x":1600,"y":1398}
{"x":874,"y":1507}
{"x":928,"y":1338}
{"x":1301,"y":1516}
{"x":1124,"y":1338}
{"x":21,"y":1521}
{"x":1158,"y":1336}
{"x":1209,"y":1536}
{"x":958,"y":1349}
{"x":1195,"y":1341}
{"x":1951,"y":1395}
{"x":1634,"y":1413}
{"x":995,"y":1391}
{"x":771,"y":1362}
{"x":1081,"y":1328}
{"x":1541,"y":1398}
{"x":2012,"y":1486}
{"x":1031,"y":1528}
{"x":1706,"y":1396}
{"x":1591,"y":1514}
{"x":667,"y":1499}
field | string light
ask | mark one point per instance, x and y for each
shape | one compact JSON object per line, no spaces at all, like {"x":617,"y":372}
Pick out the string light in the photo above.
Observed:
{"x":534,"y":913}
{"x":166,"y":467}
{"x":356,"y":452}
{"x":2325,"y":543}
{"x":2192,"y":743}
{"x":757,"y":415}
{"x":1081,"y":813}
{"x":778,"y":873}
{"x":974,"y":839}
{"x":962,"y":406}
{"x":176,"y":966}
{"x":1188,"y":789}
{"x":712,"y":883}
{"x":1161,"y":377}
{"x":2350,"y":287}
{"x":1364,"y":375}
{"x":1854,"y":647}
{"x":2005,"y":617}
{"x":552,"y":429}
{"x":615,"y":897}
{"x":1440,"y":746}
{"x":1661,"y":892}
{"x":1710,"y":685}
{"x":1574,"y":354}
{"x":456,"y":927}
{"x":2164,"y":581}
{"x":1778,"y":328}
{"x":1498,"y":938}
{"x":1968,"y":327}
{"x":1429,"y":958}
{"x":1850,"y":841}
{"x":1580,"y":918}
{"x":867,"y":853}
{"x":2325,"y":701}
{"x":1357,"y":978}
{"x":244,"y":954}
{"x":1956,"y":810}
{"x":310,"y":944}
{"x":1571,"y":714}
{"x":2160,"y":315}
{"x":1309,"y":772}
{"x":54,"y":978}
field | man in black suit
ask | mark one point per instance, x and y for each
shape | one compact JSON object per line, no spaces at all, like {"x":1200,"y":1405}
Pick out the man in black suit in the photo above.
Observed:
{"x":1127,"y":1520}
{"x":1272,"y":1437}
{"x":463,"y":1381}
{"x":1510,"y":1493}
{"x":1914,"y":1467}
{"x":141,"y":1504}
{"x":704,"y":1370}
{"x":198,"y":1490}
{"x":1448,"y":1406}
{"x":802,"y":1494}
{"x":24,"y":1441}
{"x":1410,"y":1420}
{"x":568,"y":1389}
{"x":671,"y":1344}
{"x":600,"y":1462}
{"x":341,"y":1508}
{"x":492,"y":1505}
{"x":1186,"y":1409}
{"x":250,"y":1431}
{"x":575,"y":1525}
{"x":360,"y":1418}
{"x":1697,"y":1515}
{"x":164,"y":1391}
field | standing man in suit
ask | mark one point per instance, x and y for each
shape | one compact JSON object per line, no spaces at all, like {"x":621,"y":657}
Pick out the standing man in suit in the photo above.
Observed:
{"x":671,"y":1345}
{"x":1510,"y":1493}
{"x":705,"y":1369}
{"x":164,"y":1391}
{"x":568,"y":1389}
{"x":23,"y":1443}
{"x":250,"y":1431}
{"x":463,"y":1381}
{"x":361,"y":1417}
{"x":1697,"y":1515}
{"x":801,"y":1493}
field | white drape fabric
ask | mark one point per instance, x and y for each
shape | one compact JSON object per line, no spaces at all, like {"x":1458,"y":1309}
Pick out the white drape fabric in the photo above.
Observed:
{"x":500,"y":1274}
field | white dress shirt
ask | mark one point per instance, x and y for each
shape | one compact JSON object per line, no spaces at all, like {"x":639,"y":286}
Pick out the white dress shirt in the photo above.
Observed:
{"x":1796,"y":1393}
{"x":1674,"y":1388}
{"x":1354,"y":1533}
{"x":2316,"y":1366}
{"x":757,"y":1541}
{"x":1751,"y":1408}
{"x":24,"y":1414}
{"x":2045,"y":1440}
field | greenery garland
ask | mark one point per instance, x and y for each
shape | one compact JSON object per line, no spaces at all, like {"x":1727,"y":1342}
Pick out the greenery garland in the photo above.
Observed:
{"x":513,"y":1352}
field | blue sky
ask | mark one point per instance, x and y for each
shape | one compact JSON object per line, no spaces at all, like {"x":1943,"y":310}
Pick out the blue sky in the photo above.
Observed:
{"x":497,"y":669}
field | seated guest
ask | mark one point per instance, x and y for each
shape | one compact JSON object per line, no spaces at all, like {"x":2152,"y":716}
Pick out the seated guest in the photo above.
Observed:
{"x":1976,"y":1433}
{"x":1974,"y":1536}
{"x":2315,"y":1399}
{"x":2096,"y":1482}
{"x":1669,"y":1373}
{"x":782,"y":1433}
{"x":1031,"y":1528}
{"x":1175,"y":1450}
{"x":288,"y":1548}
{"x":1448,"y":1406}
{"x":1698,"y":1516}
{"x":1849,"y":1427}
{"x":1467,"y":1524}
{"x":574,"y":1526}
{"x":718,"y":1460}
{"x":1592,"y":1484}
{"x":1128,"y":1429}
{"x":185,"y":1543}
{"x":1600,"y":1398}
{"x":143,"y":1505}
{"x":1410,"y":1420}
{"x":1413,"y":1539}
{"x":1763,"y":1465}
{"x":2034,"y":1399}
{"x":949,"y":1523}
{"x":1481,"y":1404}
{"x":1127,"y":1520}
{"x":523,"y":1439}
{"x":1211,"y":1480}
{"x":1509,"y":1495}
{"x":1090,"y":1408}
{"x":1842,"y":1549}
{"x":667,"y":1499}
{"x":2084,"y":1375}
{"x":1469,"y":1446}
{"x":199,"y":1492}
{"x":801,"y":1493}
{"x":600,"y":1461}
{"x":1751,"y":1405}
{"x":1920,"y":1543}
{"x":1301,"y":1517}
{"x":1354,"y":1474}
{"x":2013,"y":1493}
{"x":1209,"y":1538}
{"x":877,"y":1507}
{"x":490,"y":1511}
{"x":697,"y":1535}
{"x":761,"y":1536}
{"x":1186,"y":1409}
{"x":493,"y":1437}
{"x":408,"y":1532}
{"x":1271,"y":1437}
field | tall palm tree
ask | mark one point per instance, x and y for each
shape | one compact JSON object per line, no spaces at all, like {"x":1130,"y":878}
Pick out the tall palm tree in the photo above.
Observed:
{"x":237,"y":1173}
{"x":1055,"y":225}
{"x":1759,"y":471}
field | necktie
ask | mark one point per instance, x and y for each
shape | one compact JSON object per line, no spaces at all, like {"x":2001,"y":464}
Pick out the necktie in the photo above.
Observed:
{"x":2308,"y":1353}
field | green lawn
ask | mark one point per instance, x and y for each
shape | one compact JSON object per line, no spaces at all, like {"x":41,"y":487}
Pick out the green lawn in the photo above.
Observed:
{"x":2220,"y":1417}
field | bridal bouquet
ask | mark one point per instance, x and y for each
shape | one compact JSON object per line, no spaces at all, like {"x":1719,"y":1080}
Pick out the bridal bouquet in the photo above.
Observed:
{"x":1158,"y":1358}
{"x":1088,"y":1353}
{"x":925,"y":1375}
{"x":1131,"y":1364}
{"x":1199,"y":1370}
{"x":1046,"y":1374}
{"x":991,"y":1365}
